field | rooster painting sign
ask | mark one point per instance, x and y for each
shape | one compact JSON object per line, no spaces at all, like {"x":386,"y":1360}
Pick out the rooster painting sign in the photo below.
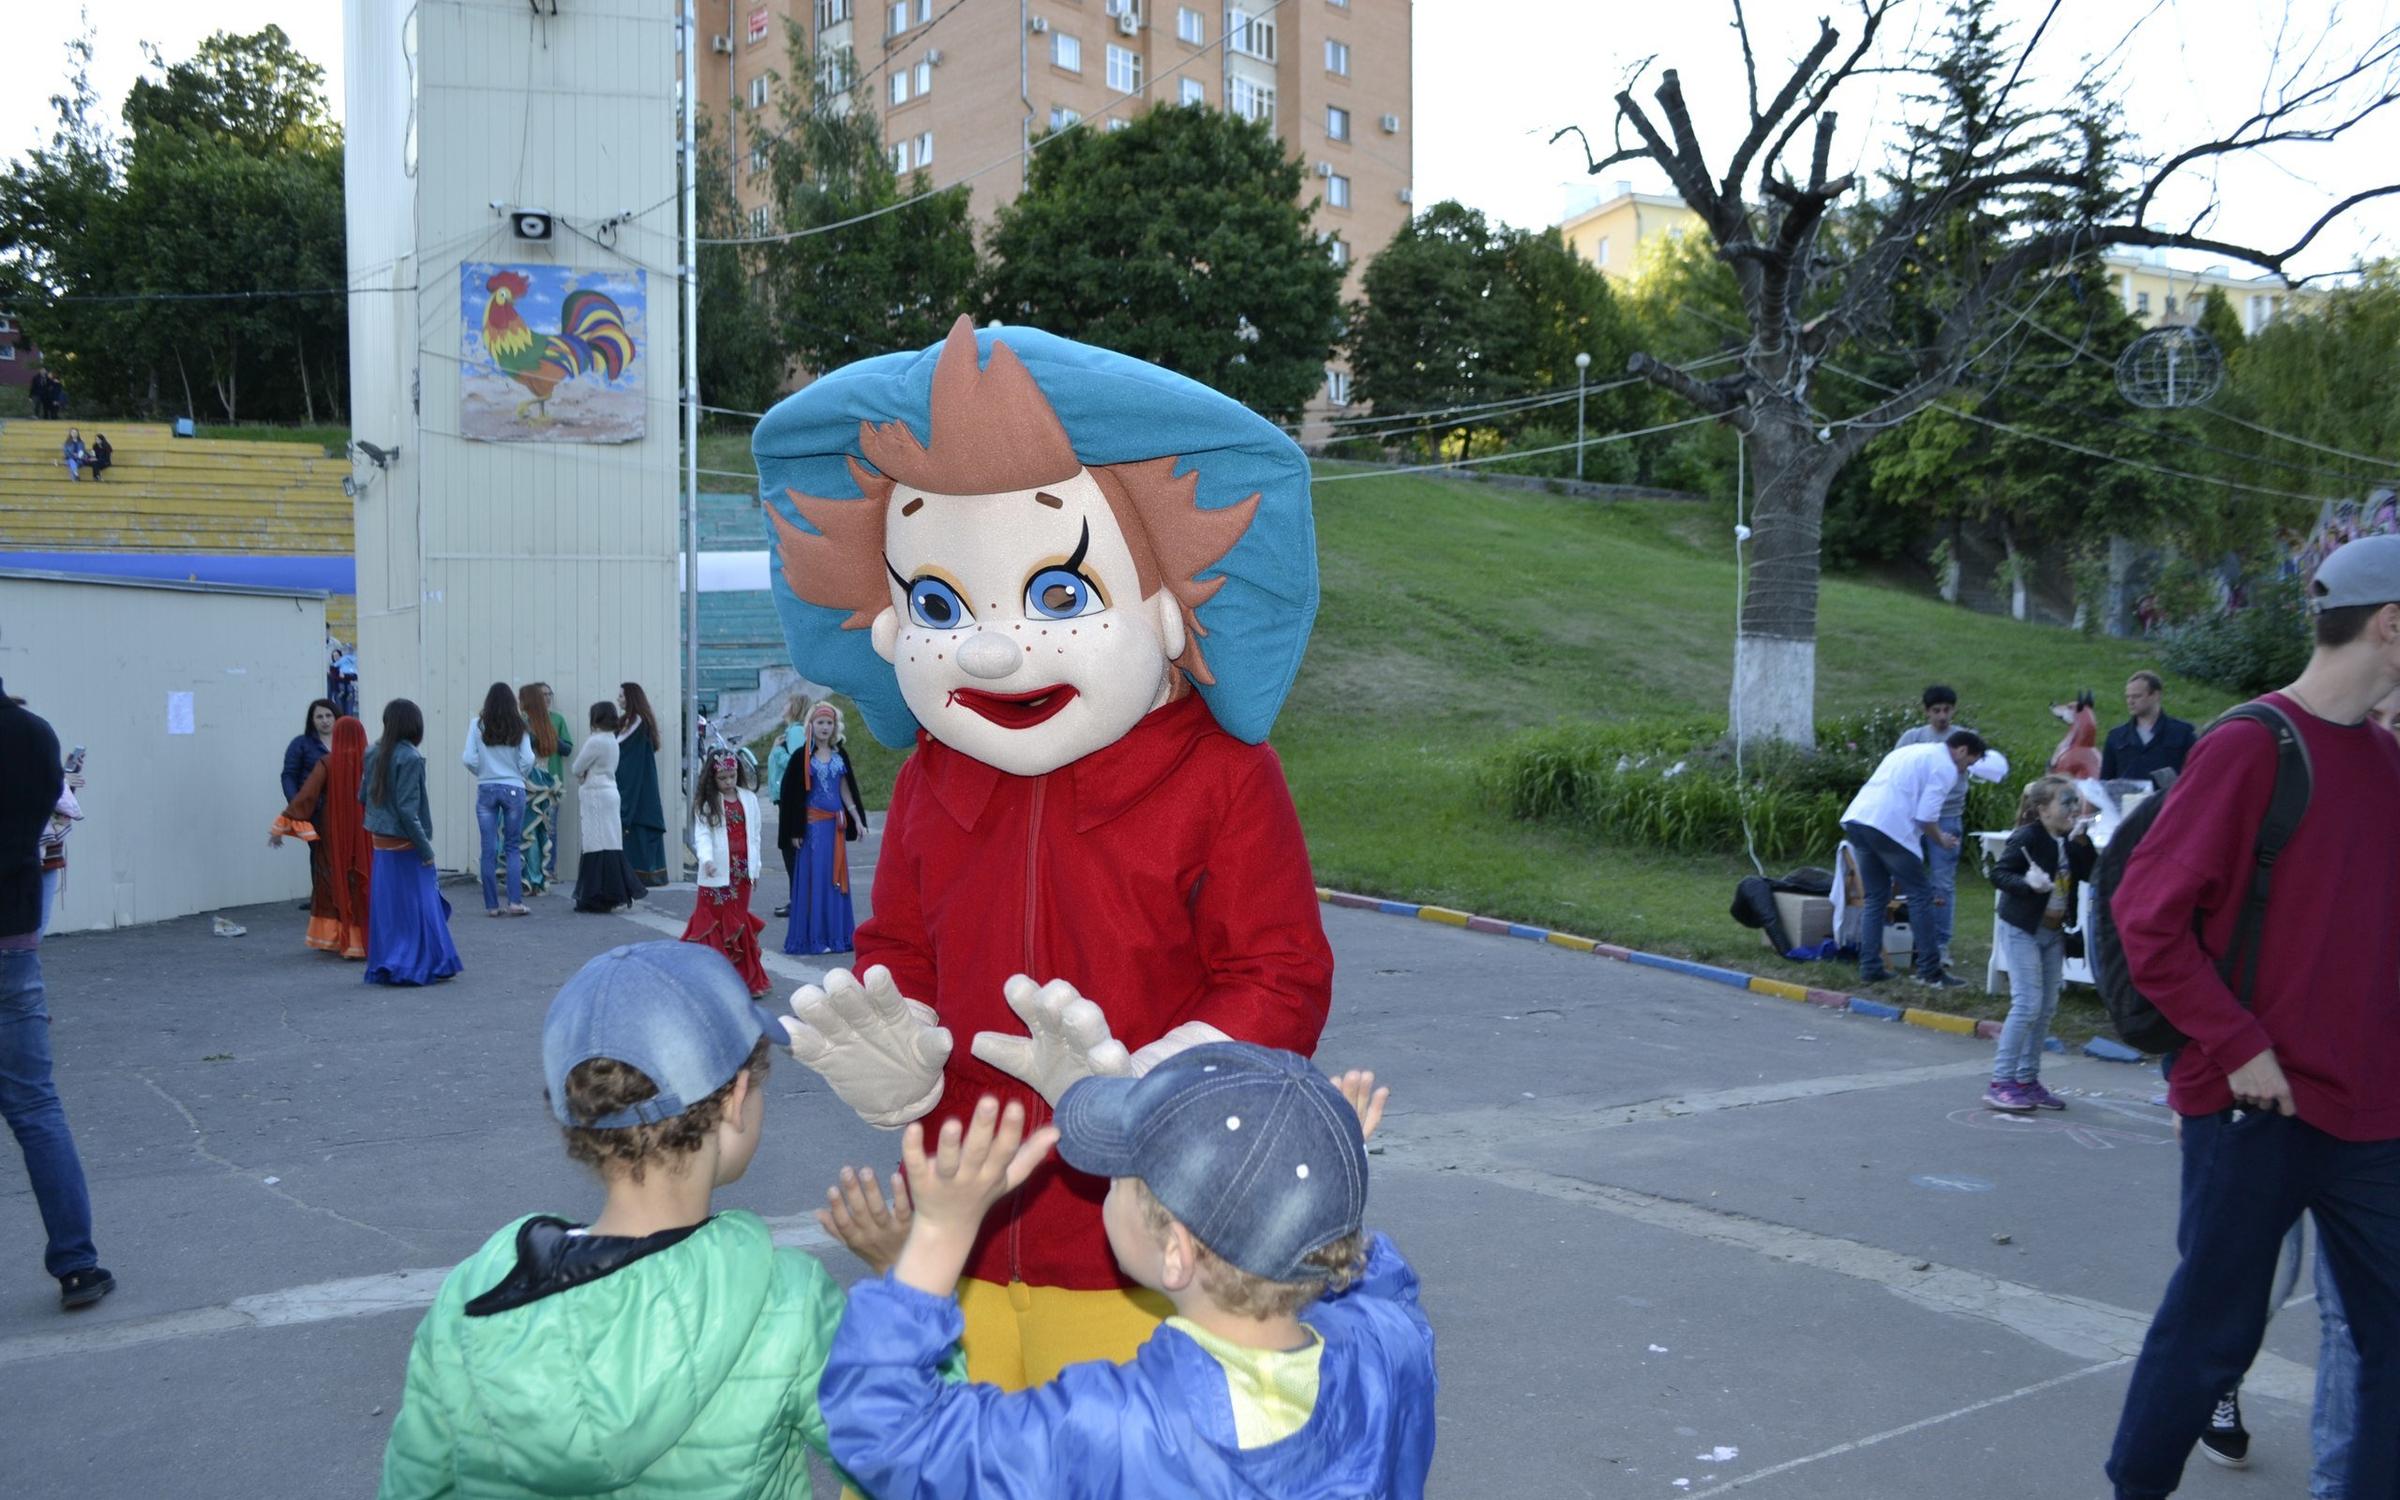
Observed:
{"x":550,"y":354}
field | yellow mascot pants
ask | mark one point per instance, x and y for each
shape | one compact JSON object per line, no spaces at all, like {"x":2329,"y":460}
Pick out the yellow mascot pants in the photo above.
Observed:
{"x":1020,"y":1336}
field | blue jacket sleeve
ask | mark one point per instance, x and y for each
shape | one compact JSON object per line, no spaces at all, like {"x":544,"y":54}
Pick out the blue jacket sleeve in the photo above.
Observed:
{"x":293,"y":772}
{"x":410,"y":805}
{"x":905,"y":1433}
{"x":1381,"y":1307}
{"x":2108,"y":755}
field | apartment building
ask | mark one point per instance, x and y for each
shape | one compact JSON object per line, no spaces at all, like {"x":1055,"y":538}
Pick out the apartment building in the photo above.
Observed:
{"x":1613,"y":233}
{"x":964,"y":86}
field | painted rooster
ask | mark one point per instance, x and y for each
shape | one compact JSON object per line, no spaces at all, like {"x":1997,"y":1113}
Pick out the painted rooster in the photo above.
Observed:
{"x":592,"y":336}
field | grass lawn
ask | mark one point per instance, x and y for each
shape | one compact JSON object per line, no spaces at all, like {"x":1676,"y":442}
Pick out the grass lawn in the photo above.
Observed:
{"x":1455,"y":615}
{"x":333,"y":440}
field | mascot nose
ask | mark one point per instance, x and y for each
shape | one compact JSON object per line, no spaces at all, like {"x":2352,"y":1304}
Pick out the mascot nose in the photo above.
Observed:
{"x":989,"y":655}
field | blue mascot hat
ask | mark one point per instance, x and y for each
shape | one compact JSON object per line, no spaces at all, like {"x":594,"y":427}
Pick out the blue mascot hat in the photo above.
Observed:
{"x":1115,"y":410}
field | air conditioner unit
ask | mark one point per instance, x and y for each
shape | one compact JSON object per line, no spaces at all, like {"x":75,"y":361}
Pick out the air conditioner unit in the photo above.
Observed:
{"x":934,"y":58}
{"x":1324,"y":169}
{"x":1041,"y":25}
{"x":1128,"y":23}
{"x":1391,"y":124}
{"x":1407,"y":197}
{"x":721,"y":44}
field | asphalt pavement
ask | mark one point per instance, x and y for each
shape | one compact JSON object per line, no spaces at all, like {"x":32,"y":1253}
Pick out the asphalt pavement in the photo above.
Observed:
{"x":1676,"y":1240}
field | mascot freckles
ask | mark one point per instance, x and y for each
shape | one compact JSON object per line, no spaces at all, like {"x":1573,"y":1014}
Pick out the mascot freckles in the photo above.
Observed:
{"x":1080,"y":586}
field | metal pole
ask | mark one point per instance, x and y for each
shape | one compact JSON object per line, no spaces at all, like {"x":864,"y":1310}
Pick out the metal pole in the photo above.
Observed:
{"x":1583,"y":363}
{"x":691,"y":381}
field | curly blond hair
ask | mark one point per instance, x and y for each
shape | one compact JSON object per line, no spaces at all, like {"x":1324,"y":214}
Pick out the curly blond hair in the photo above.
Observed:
{"x":601,"y":1086}
{"x":1333,"y":1268}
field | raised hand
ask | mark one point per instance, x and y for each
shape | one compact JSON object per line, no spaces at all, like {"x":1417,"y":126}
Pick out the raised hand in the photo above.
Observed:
{"x":1066,"y":1038}
{"x":857,"y":1214}
{"x":880,"y":1052}
{"x":1358,"y":1086}
{"x":953,"y":1187}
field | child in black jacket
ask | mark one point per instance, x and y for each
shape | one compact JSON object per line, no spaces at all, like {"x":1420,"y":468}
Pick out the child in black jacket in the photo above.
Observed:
{"x":2036,"y":874}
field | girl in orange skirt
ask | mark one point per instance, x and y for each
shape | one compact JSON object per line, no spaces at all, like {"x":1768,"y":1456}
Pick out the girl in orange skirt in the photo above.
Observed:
{"x":340,"y":856}
{"x":725,"y":834}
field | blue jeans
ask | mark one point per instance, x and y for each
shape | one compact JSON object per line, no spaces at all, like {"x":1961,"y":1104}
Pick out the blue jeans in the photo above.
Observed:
{"x":1941,"y":872}
{"x":30,"y":1102}
{"x":500,"y":819}
{"x":1883,"y":864}
{"x":2036,"y":967}
{"x":49,"y":898}
{"x":2247,"y":1176}
{"x":2336,"y":1414}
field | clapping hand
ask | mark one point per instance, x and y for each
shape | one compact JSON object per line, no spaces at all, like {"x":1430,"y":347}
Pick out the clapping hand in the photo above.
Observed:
{"x":1358,"y":1086}
{"x":871,"y":1226}
{"x":955,"y":1185}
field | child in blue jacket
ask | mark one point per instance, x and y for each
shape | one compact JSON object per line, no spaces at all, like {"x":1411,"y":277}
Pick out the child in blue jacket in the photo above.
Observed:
{"x":1297,"y":1364}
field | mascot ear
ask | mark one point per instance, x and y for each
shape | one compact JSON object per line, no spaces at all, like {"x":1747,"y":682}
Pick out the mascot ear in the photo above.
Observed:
{"x":886,"y":634}
{"x":1170,"y":622}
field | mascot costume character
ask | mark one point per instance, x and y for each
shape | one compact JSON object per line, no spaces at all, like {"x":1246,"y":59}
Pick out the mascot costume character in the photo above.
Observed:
{"x":1080,"y":586}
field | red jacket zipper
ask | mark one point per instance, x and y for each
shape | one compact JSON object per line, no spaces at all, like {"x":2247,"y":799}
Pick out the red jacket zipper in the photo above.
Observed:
{"x":1033,"y":845}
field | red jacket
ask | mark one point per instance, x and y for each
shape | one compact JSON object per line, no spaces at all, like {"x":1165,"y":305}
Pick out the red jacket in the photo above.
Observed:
{"x":2328,"y":992}
{"x":1164,"y":877}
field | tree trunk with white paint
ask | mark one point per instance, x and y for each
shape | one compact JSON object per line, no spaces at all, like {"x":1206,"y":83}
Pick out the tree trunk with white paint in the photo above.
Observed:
{"x":1775,"y":650}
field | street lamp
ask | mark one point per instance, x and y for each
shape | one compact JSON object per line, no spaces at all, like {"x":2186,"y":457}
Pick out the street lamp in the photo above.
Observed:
{"x":1583,"y":362}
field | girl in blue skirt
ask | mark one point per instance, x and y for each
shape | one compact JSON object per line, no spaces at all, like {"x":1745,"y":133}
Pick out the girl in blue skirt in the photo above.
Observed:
{"x":408,"y":922}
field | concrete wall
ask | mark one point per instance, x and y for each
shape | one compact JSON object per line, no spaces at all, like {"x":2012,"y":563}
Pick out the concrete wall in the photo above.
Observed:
{"x":174,"y":823}
{"x":489,"y":561}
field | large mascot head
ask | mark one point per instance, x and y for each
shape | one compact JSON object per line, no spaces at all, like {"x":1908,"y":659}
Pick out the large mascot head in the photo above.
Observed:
{"x":1075,"y":539}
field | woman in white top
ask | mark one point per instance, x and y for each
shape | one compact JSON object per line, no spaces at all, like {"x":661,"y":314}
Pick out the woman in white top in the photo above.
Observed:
{"x":499,"y":752}
{"x":604,"y":880}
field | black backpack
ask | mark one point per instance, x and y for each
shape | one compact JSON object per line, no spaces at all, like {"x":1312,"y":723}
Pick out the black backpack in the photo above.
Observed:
{"x":2137,"y":1021}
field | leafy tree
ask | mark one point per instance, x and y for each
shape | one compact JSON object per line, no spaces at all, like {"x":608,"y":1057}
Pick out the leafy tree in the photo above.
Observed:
{"x":741,"y":359}
{"x":2217,"y":320}
{"x":874,"y":264}
{"x":2322,"y":376}
{"x":1182,"y":239}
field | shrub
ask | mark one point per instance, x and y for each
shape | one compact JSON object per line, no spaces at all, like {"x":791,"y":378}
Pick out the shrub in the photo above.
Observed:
{"x":1671,"y":784}
{"x":2251,"y":650}
{"x":1355,"y":449}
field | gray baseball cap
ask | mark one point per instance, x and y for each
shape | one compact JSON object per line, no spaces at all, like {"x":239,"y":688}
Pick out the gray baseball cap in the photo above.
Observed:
{"x":1253,"y":1149}
{"x":2365,"y":571}
{"x":677,"y":1011}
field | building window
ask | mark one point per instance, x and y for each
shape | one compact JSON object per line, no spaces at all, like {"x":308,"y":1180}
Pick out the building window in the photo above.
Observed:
{"x":1117,"y":123}
{"x":2170,"y":307}
{"x":1194,"y":91}
{"x":1337,"y":122}
{"x":1337,"y":250}
{"x":1600,"y":252}
{"x":1066,"y":52}
{"x":1337,"y":190}
{"x":899,"y":16}
{"x":1189,"y":27}
{"x":924,"y":12}
{"x":1337,"y":57}
{"x":1337,"y":386}
{"x":1062,"y":117}
{"x":924,"y":77}
{"x":761,"y":219}
{"x":2141,"y":302}
{"x":832,"y":13}
{"x":1124,"y":69}
{"x":758,"y":160}
{"x":1250,"y":36}
{"x":900,"y":87}
{"x":1253,"y":101}
{"x":758,"y":92}
{"x":900,"y":158}
{"x":925,"y":149}
{"x":833,"y":73}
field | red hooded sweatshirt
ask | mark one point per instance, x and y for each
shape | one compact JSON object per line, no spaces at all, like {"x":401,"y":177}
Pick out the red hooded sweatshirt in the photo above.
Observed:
{"x":2327,"y":997}
{"x":1164,"y":877}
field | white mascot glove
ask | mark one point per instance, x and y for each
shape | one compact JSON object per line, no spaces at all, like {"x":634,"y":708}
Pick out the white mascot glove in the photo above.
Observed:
{"x":1068,"y":1038}
{"x":2038,"y":878}
{"x":1189,"y":1034}
{"x":879,"y":1051}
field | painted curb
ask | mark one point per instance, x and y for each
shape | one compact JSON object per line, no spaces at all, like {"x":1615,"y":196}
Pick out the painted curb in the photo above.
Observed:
{"x":2104,"y":1049}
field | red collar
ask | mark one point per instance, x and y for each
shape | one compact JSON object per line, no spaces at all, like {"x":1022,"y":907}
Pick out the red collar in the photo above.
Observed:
{"x":1102,"y":784}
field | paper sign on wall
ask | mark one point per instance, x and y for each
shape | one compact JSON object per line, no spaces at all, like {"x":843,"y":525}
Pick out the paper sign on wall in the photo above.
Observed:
{"x":179,"y":713}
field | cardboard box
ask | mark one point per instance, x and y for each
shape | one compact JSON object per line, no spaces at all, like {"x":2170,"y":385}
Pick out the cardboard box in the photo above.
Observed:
{"x":1807,"y":920}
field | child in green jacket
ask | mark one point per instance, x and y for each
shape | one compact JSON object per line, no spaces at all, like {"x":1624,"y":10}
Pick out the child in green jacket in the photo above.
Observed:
{"x":661,"y":1350}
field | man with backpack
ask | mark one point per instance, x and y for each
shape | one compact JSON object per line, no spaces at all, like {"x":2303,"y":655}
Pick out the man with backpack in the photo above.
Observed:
{"x":2274,"y":963}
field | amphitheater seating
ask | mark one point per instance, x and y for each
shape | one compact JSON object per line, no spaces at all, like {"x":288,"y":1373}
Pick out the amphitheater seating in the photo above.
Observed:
{"x":169,"y":494}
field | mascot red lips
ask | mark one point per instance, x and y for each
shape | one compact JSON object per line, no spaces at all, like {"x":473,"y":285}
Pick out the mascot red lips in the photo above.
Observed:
{"x":1016,"y":710}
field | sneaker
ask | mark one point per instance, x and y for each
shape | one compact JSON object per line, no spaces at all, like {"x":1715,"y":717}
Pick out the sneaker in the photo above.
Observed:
{"x":2009,"y":1097}
{"x":2227,"y":1441}
{"x":784,"y":910}
{"x":1940,"y":982}
{"x":83,"y":1288}
{"x":2039,"y":1097}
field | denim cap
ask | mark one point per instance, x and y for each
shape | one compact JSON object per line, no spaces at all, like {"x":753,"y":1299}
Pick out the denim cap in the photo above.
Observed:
{"x":2365,"y":571}
{"x":676,"y":1011}
{"x":1253,"y":1149}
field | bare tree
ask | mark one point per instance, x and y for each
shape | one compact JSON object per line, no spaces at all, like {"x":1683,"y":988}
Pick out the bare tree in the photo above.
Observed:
{"x":1988,"y":196}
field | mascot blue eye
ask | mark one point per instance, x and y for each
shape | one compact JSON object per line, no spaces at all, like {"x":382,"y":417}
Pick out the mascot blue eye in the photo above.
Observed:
{"x":1059,"y":594}
{"x":935,"y":605}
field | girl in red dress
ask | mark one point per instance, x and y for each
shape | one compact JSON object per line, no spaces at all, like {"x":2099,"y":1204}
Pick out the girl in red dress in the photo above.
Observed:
{"x":725,"y":834}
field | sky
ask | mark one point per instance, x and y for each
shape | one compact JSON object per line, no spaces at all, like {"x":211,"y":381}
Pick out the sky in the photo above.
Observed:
{"x":1493,"y":82}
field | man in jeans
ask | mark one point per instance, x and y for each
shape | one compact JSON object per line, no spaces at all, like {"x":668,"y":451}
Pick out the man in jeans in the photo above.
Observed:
{"x":2286,"y":1103}
{"x":1941,"y":860}
{"x":30,"y":781}
{"x":1889,"y":824}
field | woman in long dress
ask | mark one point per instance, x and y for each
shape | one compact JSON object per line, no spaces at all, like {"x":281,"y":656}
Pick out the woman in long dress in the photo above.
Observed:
{"x":544,"y":786}
{"x":603,"y":880}
{"x":408,"y":921}
{"x":817,"y":816}
{"x":637,"y":786}
{"x":725,"y":831}
{"x":327,"y":816}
